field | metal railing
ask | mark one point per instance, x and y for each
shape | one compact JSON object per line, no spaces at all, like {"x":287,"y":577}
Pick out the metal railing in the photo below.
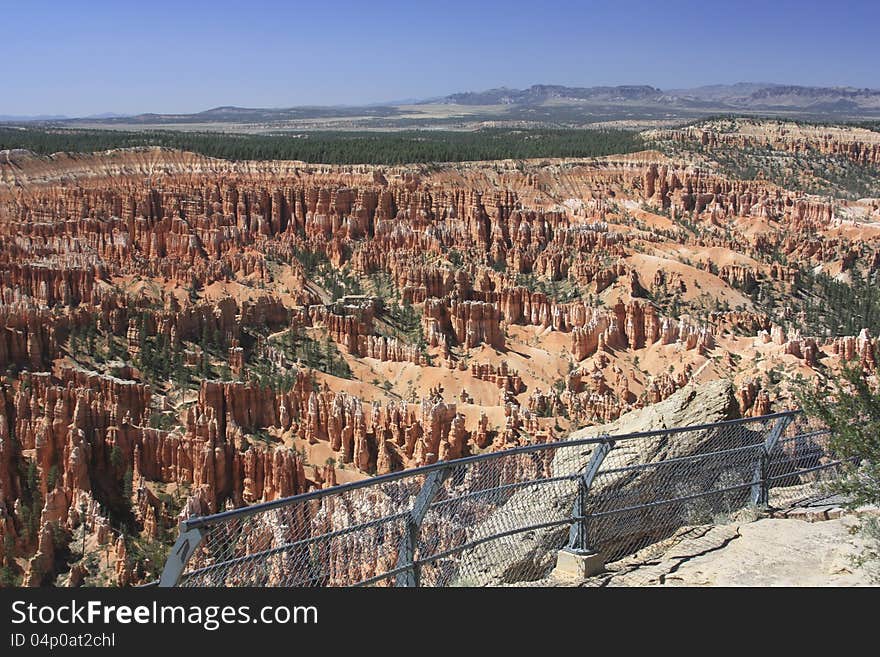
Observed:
{"x":499,"y":518}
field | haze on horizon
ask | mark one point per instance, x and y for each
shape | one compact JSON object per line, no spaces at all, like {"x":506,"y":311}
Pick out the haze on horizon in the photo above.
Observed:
{"x":80,"y":59}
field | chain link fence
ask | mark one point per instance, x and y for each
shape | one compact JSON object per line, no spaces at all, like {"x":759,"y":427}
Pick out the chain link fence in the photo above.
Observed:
{"x":499,"y":518}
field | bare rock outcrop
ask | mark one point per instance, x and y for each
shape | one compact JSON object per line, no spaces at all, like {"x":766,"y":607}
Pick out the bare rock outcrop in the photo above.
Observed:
{"x":532,"y":553}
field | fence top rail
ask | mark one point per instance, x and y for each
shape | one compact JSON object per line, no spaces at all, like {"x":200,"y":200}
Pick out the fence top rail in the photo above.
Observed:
{"x":201,"y":521}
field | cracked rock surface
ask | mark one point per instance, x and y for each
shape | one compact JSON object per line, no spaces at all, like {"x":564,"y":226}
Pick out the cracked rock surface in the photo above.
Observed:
{"x":766,"y":552}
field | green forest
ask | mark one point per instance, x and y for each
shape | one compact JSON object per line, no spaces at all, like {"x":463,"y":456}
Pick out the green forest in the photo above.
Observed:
{"x":389,"y":148}
{"x":831,"y":307}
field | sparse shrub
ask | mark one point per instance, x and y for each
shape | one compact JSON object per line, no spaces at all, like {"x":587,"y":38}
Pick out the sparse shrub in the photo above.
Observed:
{"x":849,"y":405}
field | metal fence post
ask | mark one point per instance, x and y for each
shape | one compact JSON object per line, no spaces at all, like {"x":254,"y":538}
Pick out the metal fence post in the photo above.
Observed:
{"x":407,"y":548}
{"x":578,"y":535}
{"x":761,"y":485}
{"x":188,"y":540}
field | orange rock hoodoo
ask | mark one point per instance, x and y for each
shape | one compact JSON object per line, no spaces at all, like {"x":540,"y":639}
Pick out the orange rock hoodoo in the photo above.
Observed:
{"x":180,"y":335}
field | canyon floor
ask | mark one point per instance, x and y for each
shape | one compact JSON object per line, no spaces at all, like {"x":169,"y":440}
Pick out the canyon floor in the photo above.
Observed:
{"x":180,"y":334}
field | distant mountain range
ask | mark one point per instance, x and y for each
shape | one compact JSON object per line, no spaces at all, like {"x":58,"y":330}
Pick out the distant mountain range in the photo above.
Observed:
{"x":540,"y":104}
{"x":37,"y":117}
{"x":741,"y":96}
{"x":541,"y":93}
{"x":56,"y":117}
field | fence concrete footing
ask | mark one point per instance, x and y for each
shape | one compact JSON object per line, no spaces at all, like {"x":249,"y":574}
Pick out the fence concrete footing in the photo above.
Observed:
{"x":571,"y":564}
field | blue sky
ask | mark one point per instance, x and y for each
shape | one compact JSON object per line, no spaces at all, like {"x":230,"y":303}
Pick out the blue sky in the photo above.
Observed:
{"x":79,"y":58}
